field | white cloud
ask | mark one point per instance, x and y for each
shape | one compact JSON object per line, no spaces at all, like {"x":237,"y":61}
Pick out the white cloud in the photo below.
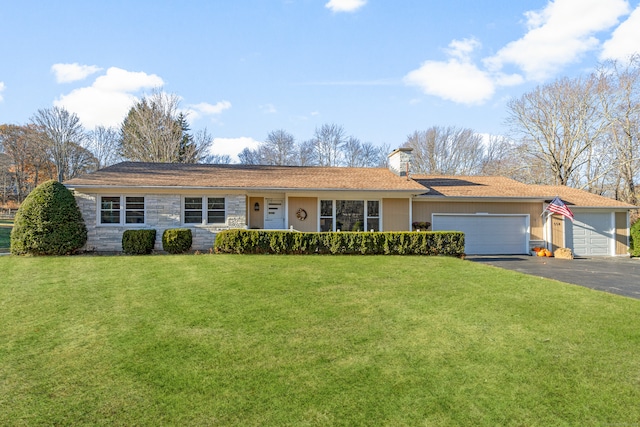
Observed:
{"x":2,"y":87}
{"x":458,"y":79}
{"x":345,"y":5}
{"x":454,"y":80}
{"x":66,"y":73}
{"x":462,"y":49}
{"x":233,"y":146}
{"x":119,"y":80}
{"x":109,"y":98}
{"x":625,"y":40}
{"x":558,"y":35}
{"x":196,"y":111}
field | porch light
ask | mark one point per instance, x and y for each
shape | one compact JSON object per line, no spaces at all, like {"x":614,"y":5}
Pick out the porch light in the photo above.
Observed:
{"x":256,"y":207}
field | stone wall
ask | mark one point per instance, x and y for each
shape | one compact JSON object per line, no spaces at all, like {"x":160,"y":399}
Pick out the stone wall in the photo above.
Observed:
{"x":162,"y":211}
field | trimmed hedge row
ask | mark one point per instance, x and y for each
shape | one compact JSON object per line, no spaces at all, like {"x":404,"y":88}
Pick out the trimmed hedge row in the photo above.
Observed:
{"x":177,"y":240}
{"x":138,"y":242}
{"x":141,"y":242}
{"x":241,"y":241}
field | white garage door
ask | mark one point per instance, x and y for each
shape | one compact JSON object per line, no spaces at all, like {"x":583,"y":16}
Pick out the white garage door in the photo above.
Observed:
{"x":592,"y":234}
{"x":488,"y":234}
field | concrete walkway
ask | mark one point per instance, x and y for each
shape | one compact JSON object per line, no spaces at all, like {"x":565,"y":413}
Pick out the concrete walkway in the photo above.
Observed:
{"x":617,"y":275}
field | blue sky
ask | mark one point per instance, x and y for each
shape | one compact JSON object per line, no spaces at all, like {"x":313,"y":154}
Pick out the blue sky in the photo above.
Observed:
{"x":380,"y":68}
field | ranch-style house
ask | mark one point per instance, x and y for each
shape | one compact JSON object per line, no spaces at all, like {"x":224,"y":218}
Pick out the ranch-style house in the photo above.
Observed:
{"x":498,"y":215}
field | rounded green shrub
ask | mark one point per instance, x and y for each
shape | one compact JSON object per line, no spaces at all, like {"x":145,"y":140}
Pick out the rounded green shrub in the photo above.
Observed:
{"x":48,"y":222}
{"x":634,"y":247}
{"x":138,"y":242}
{"x":177,"y":240}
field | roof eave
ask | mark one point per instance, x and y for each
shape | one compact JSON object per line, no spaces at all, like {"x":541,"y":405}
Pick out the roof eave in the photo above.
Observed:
{"x":482,"y":198}
{"x":270,"y":189}
{"x":516,"y":199}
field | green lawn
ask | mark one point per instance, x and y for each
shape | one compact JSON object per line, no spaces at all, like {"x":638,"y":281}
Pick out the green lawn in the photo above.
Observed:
{"x":309,"y":341}
{"x":5,"y":232}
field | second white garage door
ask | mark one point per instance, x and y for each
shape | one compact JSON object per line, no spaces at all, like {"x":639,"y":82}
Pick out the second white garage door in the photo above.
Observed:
{"x":488,"y":234}
{"x":592,"y":234}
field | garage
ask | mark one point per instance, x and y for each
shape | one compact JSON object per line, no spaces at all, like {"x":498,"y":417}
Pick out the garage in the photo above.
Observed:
{"x":592,"y":234}
{"x":488,"y":234}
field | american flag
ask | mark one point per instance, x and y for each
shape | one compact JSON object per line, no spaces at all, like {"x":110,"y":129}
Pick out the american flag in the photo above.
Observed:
{"x":558,"y":206}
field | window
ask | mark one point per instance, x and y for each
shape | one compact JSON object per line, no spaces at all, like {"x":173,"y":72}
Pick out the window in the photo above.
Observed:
{"x":326,"y":215}
{"x":215,"y":210}
{"x":112,"y":211}
{"x":194,"y":211}
{"x":373,"y":215}
{"x":134,"y":210}
{"x":349,"y":215}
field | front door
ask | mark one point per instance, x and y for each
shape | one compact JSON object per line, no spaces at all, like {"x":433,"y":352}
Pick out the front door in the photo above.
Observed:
{"x":557,"y":232}
{"x":274,"y":216}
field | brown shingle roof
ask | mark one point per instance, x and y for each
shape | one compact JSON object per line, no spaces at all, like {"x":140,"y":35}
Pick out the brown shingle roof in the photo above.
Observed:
{"x":501,"y":187}
{"x":573,"y":196}
{"x":138,"y":174}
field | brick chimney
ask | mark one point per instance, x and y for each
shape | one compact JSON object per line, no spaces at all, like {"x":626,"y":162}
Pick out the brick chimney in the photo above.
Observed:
{"x":400,"y":161}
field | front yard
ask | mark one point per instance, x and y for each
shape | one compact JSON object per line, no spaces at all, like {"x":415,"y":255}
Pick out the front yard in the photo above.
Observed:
{"x":309,"y":340}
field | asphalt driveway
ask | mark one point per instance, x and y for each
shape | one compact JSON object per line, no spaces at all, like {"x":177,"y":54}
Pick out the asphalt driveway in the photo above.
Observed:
{"x":617,"y":275}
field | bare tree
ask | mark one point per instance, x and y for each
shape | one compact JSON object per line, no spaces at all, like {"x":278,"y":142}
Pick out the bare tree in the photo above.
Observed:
{"x":103,"y":143}
{"x":560,"y":122}
{"x":278,"y":149}
{"x":305,"y":154}
{"x":352,"y":152}
{"x":60,"y":131}
{"x":383,"y":156}
{"x":361,"y":155}
{"x":155,"y":131}
{"x":150,"y":132}
{"x":249,"y":157}
{"x":499,"y":156}
{"x":17,"y":147}
{"x":329,"y":147}
{"x":446,"y":151}
{"x":327,"y":143}
{"x":81,"y":161}
{"x":372,"y":156}
{"x":619,"y":92}
{"x":25,"y":152}
{"x":198,"y":147}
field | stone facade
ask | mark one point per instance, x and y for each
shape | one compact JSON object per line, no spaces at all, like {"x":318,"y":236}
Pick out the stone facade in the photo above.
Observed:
{"x":162,"y":211}
{"x":400,"y":161}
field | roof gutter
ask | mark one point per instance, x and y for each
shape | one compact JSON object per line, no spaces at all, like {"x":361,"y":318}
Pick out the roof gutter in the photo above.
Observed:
{"x":511,"y":199}
{"x":266,"y":189}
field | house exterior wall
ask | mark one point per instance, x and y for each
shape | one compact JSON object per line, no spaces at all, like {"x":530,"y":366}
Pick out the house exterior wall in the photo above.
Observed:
{"x":422,"y":211}
{"x":622,"y":230}
{"x":396,"y":215}
{"x":162,"y":211}
{"x":310,"y":206}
